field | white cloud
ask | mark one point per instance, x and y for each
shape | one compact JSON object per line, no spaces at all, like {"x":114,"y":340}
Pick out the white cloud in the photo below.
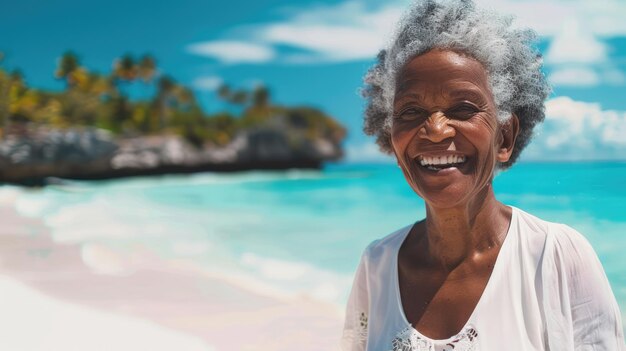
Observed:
{"x":367,"y":152}
{"x":577,"y":76}
{"x":577,"y":30}
{"x":230,"y":51}
{"x":575,"y":130}
{"x":573,"y":44}
{"x":614,"y":76}
{"x":333,"y":33}
{"x":352,"y":30}
{"x":603,"y":17}
{"x":579,"y":58}
{"x":208,"y":83}
{"x":547,"y":17}
{"x":334,"y":43}
{"x":347,"y":31}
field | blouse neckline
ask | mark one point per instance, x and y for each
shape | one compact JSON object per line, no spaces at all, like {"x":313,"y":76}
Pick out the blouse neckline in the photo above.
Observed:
{"x":490,"y":282}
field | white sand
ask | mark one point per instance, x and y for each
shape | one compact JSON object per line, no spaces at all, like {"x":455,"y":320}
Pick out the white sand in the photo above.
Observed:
{"x":54,"y":297}
{"x":32,"y":321}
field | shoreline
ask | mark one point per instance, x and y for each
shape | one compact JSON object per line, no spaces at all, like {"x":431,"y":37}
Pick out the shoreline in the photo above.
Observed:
{"x":218,"y":168}
{"x":167,"y":299}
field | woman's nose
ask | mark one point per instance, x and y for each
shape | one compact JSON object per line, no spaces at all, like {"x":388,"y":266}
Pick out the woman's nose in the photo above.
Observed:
{"x":436,"y":128}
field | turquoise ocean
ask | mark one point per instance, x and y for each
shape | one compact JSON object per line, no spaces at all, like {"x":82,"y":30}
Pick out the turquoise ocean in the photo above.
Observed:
{"x":302,"y":232}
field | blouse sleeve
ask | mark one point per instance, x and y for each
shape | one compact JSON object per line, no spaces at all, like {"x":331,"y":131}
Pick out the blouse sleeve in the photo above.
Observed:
{"x":591,"y":318}
{"x":354,"y":336}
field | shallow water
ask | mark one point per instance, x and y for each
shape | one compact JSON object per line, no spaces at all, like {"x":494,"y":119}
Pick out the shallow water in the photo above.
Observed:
{"x":302,"y":232}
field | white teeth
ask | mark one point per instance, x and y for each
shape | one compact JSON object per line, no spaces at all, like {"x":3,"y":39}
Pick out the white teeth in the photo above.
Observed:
{"x":441,"y":160}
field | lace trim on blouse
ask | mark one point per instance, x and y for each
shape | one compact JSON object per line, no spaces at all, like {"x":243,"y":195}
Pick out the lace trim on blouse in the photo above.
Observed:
{"x":409,"y":339}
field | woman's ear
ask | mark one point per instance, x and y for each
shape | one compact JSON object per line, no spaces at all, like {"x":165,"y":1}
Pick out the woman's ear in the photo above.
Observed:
{"x":508,"y":134}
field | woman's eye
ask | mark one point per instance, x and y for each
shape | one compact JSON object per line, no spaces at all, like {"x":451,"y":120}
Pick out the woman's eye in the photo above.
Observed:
{"x":411,"y":114}
{"x":462,"y":112}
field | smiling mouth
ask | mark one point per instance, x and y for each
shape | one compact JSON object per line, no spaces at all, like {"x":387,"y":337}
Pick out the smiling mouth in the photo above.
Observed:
{"x":437,"y":163}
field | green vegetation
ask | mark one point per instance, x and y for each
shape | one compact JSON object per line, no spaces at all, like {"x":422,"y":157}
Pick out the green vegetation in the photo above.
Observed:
{"x":98,"y":100}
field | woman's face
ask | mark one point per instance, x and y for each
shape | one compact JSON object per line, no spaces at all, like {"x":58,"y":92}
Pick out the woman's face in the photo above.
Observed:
{"x":445,"y":133}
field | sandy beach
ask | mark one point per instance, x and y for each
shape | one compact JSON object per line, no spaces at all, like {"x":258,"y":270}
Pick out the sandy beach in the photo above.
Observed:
{"x":85,"y":297}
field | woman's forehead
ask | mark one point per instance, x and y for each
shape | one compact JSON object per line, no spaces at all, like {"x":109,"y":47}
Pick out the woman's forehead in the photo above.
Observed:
{"x":442,"y":64}
{"x":452,"y":90}
{"x":441,"y":69}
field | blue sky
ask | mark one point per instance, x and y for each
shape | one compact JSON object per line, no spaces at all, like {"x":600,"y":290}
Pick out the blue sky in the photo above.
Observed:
{"x":315,"y":53}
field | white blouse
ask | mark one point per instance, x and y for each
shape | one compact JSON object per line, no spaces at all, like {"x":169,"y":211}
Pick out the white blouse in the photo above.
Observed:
{"x":547,"y":291}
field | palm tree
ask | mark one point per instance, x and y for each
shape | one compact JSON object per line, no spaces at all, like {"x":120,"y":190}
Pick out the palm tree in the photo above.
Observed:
{"x":236,"y":97}
{"x":4,"y":102}
{"x":223,"y":92}
{"x":124,"y":68}
{"x":165,"y":89}
{"x":68,"y":64}
{"x":239,"y":97}
{"x":147,"y":68}
{"x":260,"y":96}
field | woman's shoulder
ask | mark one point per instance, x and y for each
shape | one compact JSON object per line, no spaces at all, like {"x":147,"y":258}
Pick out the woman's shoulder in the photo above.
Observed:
{"x":387,"y":245}
{"x":577,"y":294}
{"x":560,"y":248}
{"x":558,"y":235}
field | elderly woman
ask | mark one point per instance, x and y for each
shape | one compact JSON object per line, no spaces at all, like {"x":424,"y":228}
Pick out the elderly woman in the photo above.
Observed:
{"x":455,"y":97}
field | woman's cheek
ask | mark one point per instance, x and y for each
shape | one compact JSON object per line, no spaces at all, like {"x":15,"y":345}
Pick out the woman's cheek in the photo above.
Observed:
{"x":398,"y":142}
{"x":402,"y":133}
{"x":488,"y":170}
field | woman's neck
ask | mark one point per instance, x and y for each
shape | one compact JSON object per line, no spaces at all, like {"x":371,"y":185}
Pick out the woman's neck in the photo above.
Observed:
{"x":454,"y":235}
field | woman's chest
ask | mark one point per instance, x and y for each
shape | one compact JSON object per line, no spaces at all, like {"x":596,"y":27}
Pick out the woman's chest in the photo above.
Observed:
{"x":503,"y":322}
{"x":440,"y":309}
{"x":505,"y":314}
{"x":437,"y":302}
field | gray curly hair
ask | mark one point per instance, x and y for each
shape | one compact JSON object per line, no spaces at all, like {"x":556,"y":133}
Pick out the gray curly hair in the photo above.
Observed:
{"x":512,"y":63}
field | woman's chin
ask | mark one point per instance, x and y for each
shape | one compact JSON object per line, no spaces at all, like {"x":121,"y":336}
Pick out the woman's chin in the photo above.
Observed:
{"x":443,"y":203}
{"x":446,"y":198}
{"x":456,"y":195}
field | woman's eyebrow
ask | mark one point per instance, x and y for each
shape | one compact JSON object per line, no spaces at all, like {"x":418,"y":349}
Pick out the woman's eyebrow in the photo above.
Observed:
{"x":405,"y":85}
{"x":401,"y":96}
{"x":468,"y":94}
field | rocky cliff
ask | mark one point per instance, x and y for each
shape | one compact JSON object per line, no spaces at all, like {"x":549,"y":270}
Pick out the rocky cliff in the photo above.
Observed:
{"x":37,"y":155}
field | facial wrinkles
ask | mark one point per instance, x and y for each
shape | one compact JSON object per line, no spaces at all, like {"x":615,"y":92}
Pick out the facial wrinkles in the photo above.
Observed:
{"x":435,"y":128}
{"x":437,"y":123}
{"x":486,"y":174}
{"x":461,"y":70}
{"x":468,"y":92}
{"x":437,"y":87}
{"x":406,"y":135}
{"x":433,"y":97}
{"x":406,"y":165}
